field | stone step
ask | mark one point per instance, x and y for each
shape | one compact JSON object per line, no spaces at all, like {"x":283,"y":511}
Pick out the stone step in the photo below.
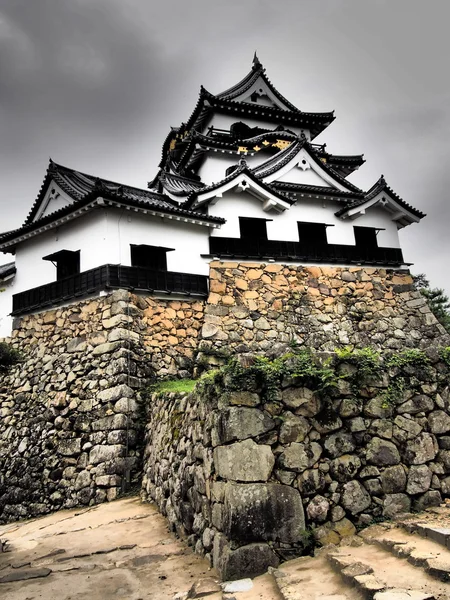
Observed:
{"x":432,"y":525}
{"x":380,"y":575}
{"x":419,"y":551}
{"x":309,"y":578}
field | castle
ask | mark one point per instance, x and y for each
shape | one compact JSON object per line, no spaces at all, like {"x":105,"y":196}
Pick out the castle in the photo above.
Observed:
{"x":242,"y":180}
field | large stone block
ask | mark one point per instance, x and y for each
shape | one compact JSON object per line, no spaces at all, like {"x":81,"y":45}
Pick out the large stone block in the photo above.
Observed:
{"x":306,"y":403}
{"x":247,"y":561}
{"x":393,"y":480}
{"x":100,"y":454}
{"x":240,"y":423}
{"x":421,"y":449}
{"x":263,"y":512}
{"x":355,"y":497}
{"x":70,"y":447}
{"x":339,"y":443}
{"x":419,"y":479}
{"x":381,"y":452}
{"x":439,"y":422}
{"x":395,"y":504}
{"x":244,"y":461}
{"x":299,"y":457}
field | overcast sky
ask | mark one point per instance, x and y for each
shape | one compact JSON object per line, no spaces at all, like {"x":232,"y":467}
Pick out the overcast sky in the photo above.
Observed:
{"x":96,"y":84}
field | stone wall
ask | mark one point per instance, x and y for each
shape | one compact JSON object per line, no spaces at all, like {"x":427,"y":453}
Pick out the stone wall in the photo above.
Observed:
{"x":69,"y":414}
{"x":251,"y":468}
{"x":260,"y":307}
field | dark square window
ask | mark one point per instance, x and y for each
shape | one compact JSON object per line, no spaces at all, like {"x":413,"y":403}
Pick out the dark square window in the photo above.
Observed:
{"x":149,"y":257}
{"x":67,"y":263}
{"x":365,"y":237}
{"x":253,"y":229}
{"x":314,"y":234}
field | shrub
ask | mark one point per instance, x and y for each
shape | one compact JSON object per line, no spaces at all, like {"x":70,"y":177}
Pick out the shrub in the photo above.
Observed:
{"x":8,"y":356}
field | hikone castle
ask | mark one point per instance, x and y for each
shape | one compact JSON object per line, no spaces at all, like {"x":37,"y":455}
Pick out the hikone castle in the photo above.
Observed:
{"x":249,"y":262}
{"x":241,"y":180}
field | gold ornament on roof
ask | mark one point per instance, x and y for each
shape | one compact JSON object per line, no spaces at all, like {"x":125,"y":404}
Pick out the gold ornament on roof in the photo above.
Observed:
{"x":266,"y":143}
{"x":324,"y":160}
{"x":256,"y":148}
{"x":242,"y":149}
{"x":173,"y":143}
{"x":281,"y":144}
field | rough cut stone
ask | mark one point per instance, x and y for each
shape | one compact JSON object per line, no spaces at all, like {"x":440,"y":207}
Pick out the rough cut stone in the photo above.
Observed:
{"x":239,"y":423}
{"x":421,"y":449}
{"x":100,"y":454}
{"x":299,"y":457}
{"x":244,"y":461}
{"x":339,"y":443}
{"x":439,"y":422}
{"x":69,"y":447}
{"x":255,"y":512}
{"x":242,"y":399}
{"x":345,"y":467}
{"x":393,"y":480}
{"x":395,"y":504}
{"x":248,"y":561}
{"x":419,"y":403}
{"x":419,"y":479}
{"x":381,"y":452}
{"x":293,"y":428}
{"x":302,"y":399}
{"x":355,"y":498}
{"x":318,"y":508}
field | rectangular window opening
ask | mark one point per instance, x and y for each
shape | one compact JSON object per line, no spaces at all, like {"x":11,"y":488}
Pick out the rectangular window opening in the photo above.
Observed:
{"x":314,"y":234}
{"x":149,"y":257}
{"x":253,"y":229}
{"x":67,"y":263}
{"x":366,"y":237}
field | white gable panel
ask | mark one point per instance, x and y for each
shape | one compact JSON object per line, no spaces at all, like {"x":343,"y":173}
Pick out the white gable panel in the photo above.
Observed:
{"x":303,"y":161}
{"x":54,"y":199}
{"x":265,"y":95}
{"x":306,"y":177}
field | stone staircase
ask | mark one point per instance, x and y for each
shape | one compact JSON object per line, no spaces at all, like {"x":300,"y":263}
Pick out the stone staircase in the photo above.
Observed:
{"x":407,"y":559}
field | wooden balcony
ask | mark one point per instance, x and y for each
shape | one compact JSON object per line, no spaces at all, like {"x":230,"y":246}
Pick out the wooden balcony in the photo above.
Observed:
{"x":296,"y":251}
{"x":109,"y":277}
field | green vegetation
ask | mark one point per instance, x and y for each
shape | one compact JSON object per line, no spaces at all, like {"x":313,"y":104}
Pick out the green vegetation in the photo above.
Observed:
{"x":444,"y":353}
{"x":175,"y":385}
{"x":8,"y":356}
{"x":317,"y":371}
{"x":438,"y":301}
{"x":411,"y":356}
{"x":366,"y":360}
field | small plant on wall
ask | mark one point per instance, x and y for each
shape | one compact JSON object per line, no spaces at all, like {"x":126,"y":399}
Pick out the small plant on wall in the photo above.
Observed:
{"x":8,"y":356}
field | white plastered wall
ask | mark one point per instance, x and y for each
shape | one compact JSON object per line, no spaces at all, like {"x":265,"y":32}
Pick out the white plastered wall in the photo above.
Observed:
{"x":283,"y":226}
{"x":104,"y":237}
{"x":6,"y":288}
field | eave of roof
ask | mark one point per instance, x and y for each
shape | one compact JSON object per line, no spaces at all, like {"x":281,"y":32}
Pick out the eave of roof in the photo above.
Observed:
{"x":379,"y":187}
{"x":315,"y":190}
{"x":125,"y":196}
{"x":242,"y":169}
{"x":7,"y":270}
{"x":246,"y":83}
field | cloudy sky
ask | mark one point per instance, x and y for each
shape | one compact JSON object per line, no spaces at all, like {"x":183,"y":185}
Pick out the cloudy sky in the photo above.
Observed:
{"x":95,"y":84}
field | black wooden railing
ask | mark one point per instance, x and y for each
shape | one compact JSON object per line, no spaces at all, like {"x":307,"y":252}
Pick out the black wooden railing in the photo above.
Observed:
{"x":108,"y":277}
{"x":328,"y":253}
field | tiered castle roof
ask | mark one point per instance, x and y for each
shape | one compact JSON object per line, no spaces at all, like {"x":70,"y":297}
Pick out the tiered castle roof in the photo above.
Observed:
{"x":285,"y":145}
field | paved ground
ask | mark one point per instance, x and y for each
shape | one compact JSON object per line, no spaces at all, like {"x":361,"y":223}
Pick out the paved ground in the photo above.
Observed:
{"x":117,"y":550}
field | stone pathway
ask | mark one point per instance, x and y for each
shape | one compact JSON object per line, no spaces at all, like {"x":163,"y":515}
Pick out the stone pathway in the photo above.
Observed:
{"x":404,"y":560}
{"x":116,"y":550}
{"x":123,"y":550}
